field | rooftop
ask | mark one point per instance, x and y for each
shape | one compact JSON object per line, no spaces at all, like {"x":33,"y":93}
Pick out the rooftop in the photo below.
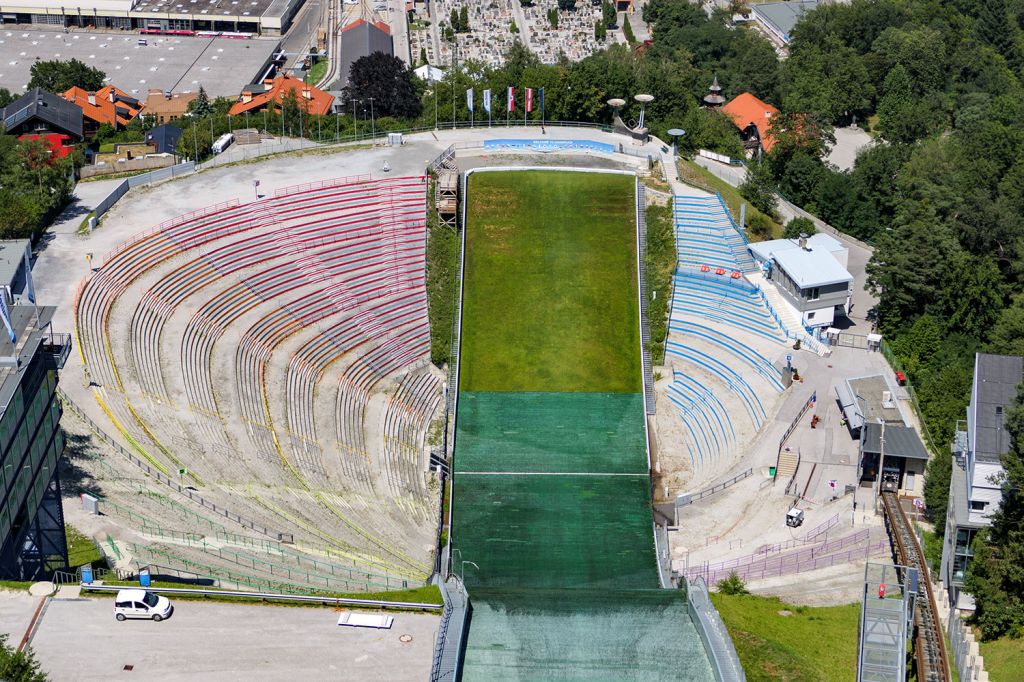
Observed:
{"x":46,"y":106}
{"x":862,"y":401}
{"x":178,"y":63}
{"x":109,"y":105}
{"x":996,"y":378}
{"x":783,"y":16}
{"x":814,"y":266}
{"x":311,"y":99}
{"x":746,"y":110}
{"x":12,"y":257}
{"x":900,"y":441}
{"x":29,"y":324}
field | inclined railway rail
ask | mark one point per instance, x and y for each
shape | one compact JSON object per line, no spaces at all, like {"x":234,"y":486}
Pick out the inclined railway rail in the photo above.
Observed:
{"x":929,"y":644}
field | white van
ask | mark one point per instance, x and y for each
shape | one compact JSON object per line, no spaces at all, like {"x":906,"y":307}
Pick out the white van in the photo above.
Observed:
{"x":141,"y":604}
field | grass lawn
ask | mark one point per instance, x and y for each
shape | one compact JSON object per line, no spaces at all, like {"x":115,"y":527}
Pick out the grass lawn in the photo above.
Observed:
{"x":318,"y":71}
{"x":550,"y":296}
{"x":692,"y":174}
{"x":816,"y":644}
{"x":660,"y":263}
{"x":82,"y":550}
{"x":1004,"y":659}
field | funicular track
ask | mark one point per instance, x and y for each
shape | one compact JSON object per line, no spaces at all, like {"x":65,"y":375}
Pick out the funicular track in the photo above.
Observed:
{"x":929,"y":645}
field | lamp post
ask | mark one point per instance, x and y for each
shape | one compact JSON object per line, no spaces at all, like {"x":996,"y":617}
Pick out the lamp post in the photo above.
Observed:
{"x":676,"y":133}
{"x":644,"y":101}
{"x":373,"y":125}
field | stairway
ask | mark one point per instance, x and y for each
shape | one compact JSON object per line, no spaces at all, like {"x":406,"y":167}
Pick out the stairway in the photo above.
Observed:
{"x":788,"y":462}
{"x":645,"y":326}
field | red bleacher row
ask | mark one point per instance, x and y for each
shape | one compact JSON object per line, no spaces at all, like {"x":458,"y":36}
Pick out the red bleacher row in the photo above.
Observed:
{"x":349,"y":254}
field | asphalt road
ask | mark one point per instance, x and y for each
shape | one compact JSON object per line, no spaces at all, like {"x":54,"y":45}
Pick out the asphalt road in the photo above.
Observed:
{"x":80,"y":640}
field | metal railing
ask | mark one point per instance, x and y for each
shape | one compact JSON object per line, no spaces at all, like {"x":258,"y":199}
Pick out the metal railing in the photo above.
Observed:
{"x":69,"y":404}
{"x":685,"y":499}
{"x":725,"y":663}
{"x":271,"y":596}
{"x":452,"y":633}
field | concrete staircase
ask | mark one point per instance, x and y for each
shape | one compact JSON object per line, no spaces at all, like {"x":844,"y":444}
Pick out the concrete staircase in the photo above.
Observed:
{"x":788,"y":462}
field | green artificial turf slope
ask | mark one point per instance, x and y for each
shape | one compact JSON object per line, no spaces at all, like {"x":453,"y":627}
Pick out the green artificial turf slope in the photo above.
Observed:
{"x":550,"y":286}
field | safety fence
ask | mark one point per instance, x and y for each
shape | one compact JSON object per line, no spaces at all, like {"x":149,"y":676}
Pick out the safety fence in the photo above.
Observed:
{"x":321,"y":184}
{"x":725,"y":663}
{"x":507,"y":144}
{"x":139,"y":180}
{"x":272,"y":596}
{"x":690,"y":498}
{"x":857,"y":545}
{"x":452,"y":632}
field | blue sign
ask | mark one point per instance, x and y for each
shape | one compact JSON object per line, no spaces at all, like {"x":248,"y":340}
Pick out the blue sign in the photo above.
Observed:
{"x":551,"y":145}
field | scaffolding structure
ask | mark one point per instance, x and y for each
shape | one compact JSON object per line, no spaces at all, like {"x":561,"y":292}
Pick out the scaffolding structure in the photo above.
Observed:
{"x":886,"y":617}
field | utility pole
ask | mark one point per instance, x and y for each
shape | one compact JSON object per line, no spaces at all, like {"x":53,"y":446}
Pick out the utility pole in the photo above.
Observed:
{"x":881,"y":463}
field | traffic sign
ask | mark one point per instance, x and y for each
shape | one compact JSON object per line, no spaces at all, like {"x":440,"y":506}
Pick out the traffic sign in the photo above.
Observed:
{"x":832,"y":484}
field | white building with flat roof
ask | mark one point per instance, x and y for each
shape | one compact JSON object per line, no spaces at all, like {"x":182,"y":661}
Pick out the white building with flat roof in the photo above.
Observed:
{"x":810,"y":274}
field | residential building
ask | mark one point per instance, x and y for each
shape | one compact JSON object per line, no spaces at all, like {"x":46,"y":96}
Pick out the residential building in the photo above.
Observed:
{"x":271,"y":94}
{"x":108,"y":105}
{"x":975,"y":487}
{"x":810,"y":273}
{"x":164,"y":139}
{"x":161,"y":107}
{"x":753,"y":118}
{"x":40,"y":113}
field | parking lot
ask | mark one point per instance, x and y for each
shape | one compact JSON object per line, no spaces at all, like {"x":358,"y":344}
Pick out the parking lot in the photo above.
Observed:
{"x":221,"y":65}
{"x":80,"y":640}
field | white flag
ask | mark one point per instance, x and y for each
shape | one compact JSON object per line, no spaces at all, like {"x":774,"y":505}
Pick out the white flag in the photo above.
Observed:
{"x":5,"y":315}
{"x":487,"y":101}
{"x":469,"y":99}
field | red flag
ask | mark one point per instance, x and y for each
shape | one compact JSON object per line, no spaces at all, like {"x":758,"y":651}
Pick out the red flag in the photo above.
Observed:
{"x":511,"y":98}
{"x":529,"y":100}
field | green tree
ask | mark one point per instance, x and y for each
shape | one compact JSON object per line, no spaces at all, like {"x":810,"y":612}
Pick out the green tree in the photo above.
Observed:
{"x":905,"y":115}
{"x":58,"y":76}
{"x":453,"y":20}
{"x":200,"y":106}
{"x":993,"y":26}
{"x":831,"y":83}
{"x":6,"y":97}
{"x":464,"y":19}
{"x":936,"y":488}
{"x":608,"y":14}
{"x":19,"y":666}
{"x":732,"y":585}
{"x":759,"y":187}
{"x":600,"y":32}
{"x":553,"y":17}
{"x":1007,"y":337}
{"x":388,"y":81}
{"x":423,"y":56}
{"x":797,"y":226}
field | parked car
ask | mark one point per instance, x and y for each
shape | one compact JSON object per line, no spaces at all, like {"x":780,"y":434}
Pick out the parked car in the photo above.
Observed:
{"x":141,"y":604}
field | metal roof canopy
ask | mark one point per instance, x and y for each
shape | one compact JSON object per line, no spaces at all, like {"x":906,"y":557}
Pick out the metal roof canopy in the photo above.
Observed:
{"x":900,"y":441}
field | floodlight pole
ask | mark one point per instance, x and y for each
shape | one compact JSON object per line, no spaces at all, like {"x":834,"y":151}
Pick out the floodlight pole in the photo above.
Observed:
{"x":373,"y":126}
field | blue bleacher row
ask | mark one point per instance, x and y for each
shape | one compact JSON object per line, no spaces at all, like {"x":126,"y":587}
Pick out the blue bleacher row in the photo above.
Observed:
{"x":707,"y":235}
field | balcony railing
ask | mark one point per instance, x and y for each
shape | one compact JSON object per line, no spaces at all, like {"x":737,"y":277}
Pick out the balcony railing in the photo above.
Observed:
{"x":57,"y":346}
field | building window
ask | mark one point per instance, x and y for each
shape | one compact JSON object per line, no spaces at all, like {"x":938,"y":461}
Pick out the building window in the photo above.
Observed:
{"x":978,"y":505}
{"x":810,"y":316}
{"x":813,"y":294}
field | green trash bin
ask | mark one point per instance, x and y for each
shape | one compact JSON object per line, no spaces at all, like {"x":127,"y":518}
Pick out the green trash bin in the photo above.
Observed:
{"x":771,"y":471}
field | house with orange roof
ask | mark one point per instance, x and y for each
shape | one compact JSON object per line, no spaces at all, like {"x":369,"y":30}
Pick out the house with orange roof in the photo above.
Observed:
{"x":754,"y":119}
{"x":272,"y":93}
{"x":108,"y":105}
